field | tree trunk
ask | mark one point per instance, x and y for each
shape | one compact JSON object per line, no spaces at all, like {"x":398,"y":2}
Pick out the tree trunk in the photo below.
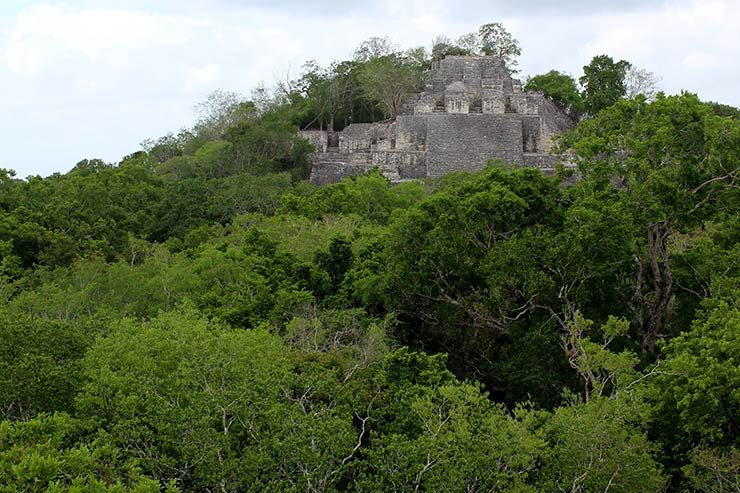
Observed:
{"x":657,"y":302}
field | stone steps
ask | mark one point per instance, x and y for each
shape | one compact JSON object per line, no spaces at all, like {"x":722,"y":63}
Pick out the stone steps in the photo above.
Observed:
{"x":355,"y":158}
{"x":329,"y":159}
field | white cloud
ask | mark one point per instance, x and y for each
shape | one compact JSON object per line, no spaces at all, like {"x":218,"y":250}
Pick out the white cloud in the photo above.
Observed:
{"x":93,"y":79}
{"x":204,"y":76}
{"x":691,"y":46}
{"x":46,"y":36}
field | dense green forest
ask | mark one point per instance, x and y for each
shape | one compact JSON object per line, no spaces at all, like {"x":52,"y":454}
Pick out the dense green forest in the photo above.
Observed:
{"x":199,"y":317}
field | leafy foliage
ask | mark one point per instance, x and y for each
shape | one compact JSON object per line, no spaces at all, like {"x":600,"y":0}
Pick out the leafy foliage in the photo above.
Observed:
{"x":43,"y":454}
{"x":603,"y":82}
{"x":389,"y":80}
{"x":198,"y":318}
{"x":698,"y":389}
{"x":561,"y":89}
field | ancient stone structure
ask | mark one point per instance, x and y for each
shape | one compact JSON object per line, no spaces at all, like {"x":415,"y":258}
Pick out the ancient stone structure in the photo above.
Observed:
{"x":470,"y":112}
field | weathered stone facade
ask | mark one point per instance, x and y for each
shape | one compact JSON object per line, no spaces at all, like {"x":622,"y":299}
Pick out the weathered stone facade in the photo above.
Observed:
{"x":470,"y":112}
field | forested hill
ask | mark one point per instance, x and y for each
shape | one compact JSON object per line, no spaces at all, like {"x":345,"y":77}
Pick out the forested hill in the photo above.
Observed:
{"x":198,"y":317}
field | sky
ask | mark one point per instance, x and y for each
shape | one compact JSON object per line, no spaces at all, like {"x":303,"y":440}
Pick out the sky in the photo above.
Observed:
{"x":93,"y":79}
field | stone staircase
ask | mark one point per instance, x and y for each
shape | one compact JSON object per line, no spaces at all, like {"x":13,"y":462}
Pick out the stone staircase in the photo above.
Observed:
{"x":334,"y":157}
{"x":328,"y":158}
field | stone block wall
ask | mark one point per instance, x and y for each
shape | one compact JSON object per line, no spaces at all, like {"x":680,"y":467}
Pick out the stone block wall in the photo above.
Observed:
{"x":525,"y":104}
{"x":318,"y":138}
{"x":402,"y":165}
{"x":467,"y":142}
{"x":531,"y":126}
{"x":554,"y":121}
{"x":411,"y":132}
{"x":366,"y":136}
{"x":543,"y":162}
{"x":323,"y":173}
{"x":423,"y":104}
{"x":359,"y":158}
{"x":356,"y":136}
{"x":493,"y":102}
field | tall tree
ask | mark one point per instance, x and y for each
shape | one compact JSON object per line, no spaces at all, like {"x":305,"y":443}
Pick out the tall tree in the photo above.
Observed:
{"x":491,"y":39}
{"x":677,"y":164}
{"x":639,"y":81}
{"x":443,"y":46}
{"x":560,"y":88}
{"x":209,"y":407}
{"x":603,"y":82}
{"x":219,"y":111}
{"x":45,"y":454}
{"x":497,"y":41}
{"x":375,"y":47}
{"x":389,"y":80}
{"x":327,"y":90}
{"x":725,"y":110}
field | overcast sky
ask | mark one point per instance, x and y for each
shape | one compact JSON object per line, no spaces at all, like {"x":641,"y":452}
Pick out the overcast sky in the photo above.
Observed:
{"x":93,"y":79}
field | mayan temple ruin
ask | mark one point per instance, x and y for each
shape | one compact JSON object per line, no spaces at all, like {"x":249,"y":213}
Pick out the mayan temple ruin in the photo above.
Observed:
{"x":471,"y":111}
